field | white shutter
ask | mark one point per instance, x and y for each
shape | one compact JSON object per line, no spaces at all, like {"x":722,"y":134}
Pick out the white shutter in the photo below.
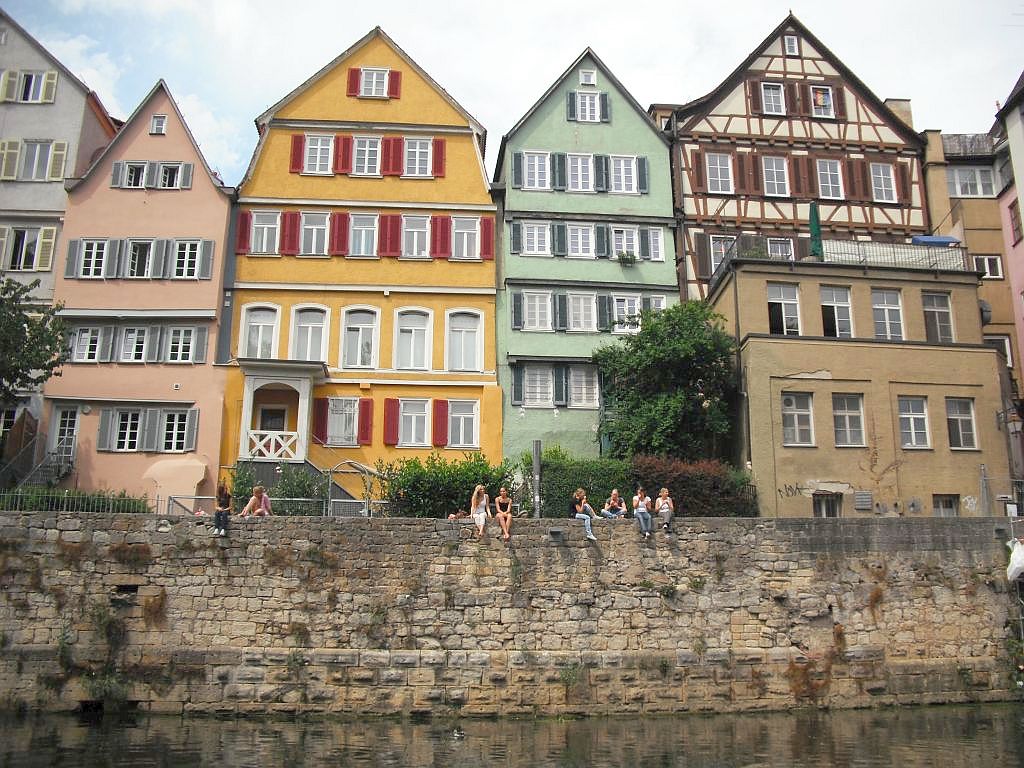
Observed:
{"x":9,"y":151}
{"x":44,"y":249}
{"x":9,"y":85}
{"x":50,"y":87}
{"x":4,"y":234}
{"x":117,"y":174}
{"x":103,"y":439}
{"x":152,"y":427}
{"x":152,"y":170}
{"x":186,"y":175}
{"x":58,"y":157}
{"x":199,"y":341}
{"x":191,"y":428}
{"x":74,"y":250}
{"x":110,"y":266}
{"x":153,"y":334}
{"x":205,"y":259}
{"x":159,"y":267}
{"x":105,"y":353}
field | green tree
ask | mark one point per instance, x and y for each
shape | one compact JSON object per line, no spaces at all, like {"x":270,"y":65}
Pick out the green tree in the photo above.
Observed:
{"x":667,"y":388}
{"x":32,"y":345}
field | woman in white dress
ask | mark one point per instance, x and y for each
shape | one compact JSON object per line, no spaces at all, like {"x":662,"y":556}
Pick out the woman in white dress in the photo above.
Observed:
{"x":478,"y":508}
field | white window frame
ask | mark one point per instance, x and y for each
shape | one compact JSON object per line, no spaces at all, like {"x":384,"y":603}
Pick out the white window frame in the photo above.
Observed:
{"x":770,"y":86}
{"x":537,"y":170}
{"x":537,"y":238}
{"x":584,"y":168}
{"x":93,"y":259}
{"x":987,"y":261}
{"x":658,"y":303}
{"x":946,"y":505}
{"x":620,"y":240}
{"x":655,"y":251}
{"x":838,"y":304}
{"x":719,"y":176}
{"x":622,"y":169}
{"x":588,"y":107}
{"x":583,"y":231}
{"x":158,"y":125}
{"x":419,"y":232}
{"x":164,"y":181}
{"x":1005,"y":344}
{"x":798,"y":419}
{"x":791,"y":45}
{"x":465,"y":238}
{"x":845,"y":415}
{"x":970,"y":181}
{"x":417,"y":158}
{"x":725,"y":242}
{"x":542,"y":302}
{"x":318,"y":155}
{"x":346,"y":407}
{"x":369,"y":77}
{"x":132,"y":441}
{"x":916,"y":421}
{"x":261,"y":240}
{"x":86,"y":344}
{"x":129,"y":257}
{"x":883,"y":183}
{"x":359,"y":224}
{"x":33,"y":82}
{"x":40,"y":160}
{"x":820,"y":111}
{"x":474,"y":423}
{"x":137,"y":336}
{"x":941,"y":316}
{"x":275,"y":330}
{"x":477,"y":342}
{"x":544,"y":375}
{"x":374,"y":333}
{"x":767,"y":160}
{"x":829,"y":168}
{"x":139,"y":169}
{"x":295,"y":328}
{"x":781,"y":248}
{"x":592,"y":384}
{"x":961,"y":420}
{"x":406,"y":408}
{"x":174,"y":430}
{"x":887,"y":309}
{"x":778,"y":293}
{"x":185,"y":343}
{"x":621,"y":324}
{"x":366,"y":156}
{"x":586,"y":310}
{"x":23,"y":259}
{"x":186,"y":257}
{"x":316,"y":225}
{"x":588,"y":77}
{"x":426,"y":349}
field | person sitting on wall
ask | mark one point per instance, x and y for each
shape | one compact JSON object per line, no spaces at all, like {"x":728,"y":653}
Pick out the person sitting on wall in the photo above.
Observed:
{"x":642,"y":511}
{"x":503,"y":507}
{"x":579,"y":509}
{"x":615,"y":506}
{"x":458,"y":515}
{"x":259,"y":504}
{"x":222,"y":515}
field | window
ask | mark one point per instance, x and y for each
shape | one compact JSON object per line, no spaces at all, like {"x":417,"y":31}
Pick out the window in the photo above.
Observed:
{"x":536,"y":175}
{"x":373,"y":82}
{"x":158,"y":125}
{"x":776,"y":180}
{"x":1002,"y":343}
{"x":657,"y":303}
{"x":411,"y":345}
{"x":624,"y":241}
{"x":991,"y":267}
{"x":127,"y":426}
{"x":821,"y":101}
{"x":783,"y":310}
{"x":791,"y":45}
{"x":367,"y":156}
{"x":536,"y":237}
{"x":319,"y":150}
{"x":169,"y":176}
{"x":945,"y":505}
{"x":66,"y":432}
{"x":31,"y":86}
{"x":582,"y":312}
{"x":179,"y":344}
{"x":882,"y":188}
{"x":360,"y":329}
{"x":364,"y":235}
{"x":260,"y":327}
{"x":464,"y":341}
{"x":960,"y":422}
{"x":314,"y":234}
{"x":539,"y":387}
{"x":581,"y":173}
{"x":828,"y":504}
{"x":93,"y":253}
{"x":720,"y":246}
{"x":35,"y":165}
{"x":780,"y":248}
{"x":175,"y":429}
{"x":23,"y":249}
{"x":719,"y":173}
{"x":913,"y":422}
{"x":7,"y":418}
{"x":582,"y":386}
{"x":1015,"y":226}
{"x":465,"y":239}
{"x":581,"y":241}
{"x":969,"y":182}
{"x":412,"y":423}
{"x":139,"y":258}
{"x":86,"y":345}
{"x":625,"y":314}
{"x":309,"y":336}
{"x":772,"y":100}
{"x":462,"y":424}
{"x":797,"y":422}
{"x":588,"y":77}
{"x":885,"y":308}
{"x":848,"y":420}
{"x":133,"y":345}
{"x":536,"y":311}
{"x":342,"y":420}
{"x":830,"y":180}
{"x":836,"y":319}
{"x":623,"y":174}
{"x":135,"y":175}
{"x":415,"y":237}
{"x":264,"y":232}
{"x":587,"y":107}
{"x":186,"y":259}
{"x":417,"y":157}
{"x":938,"y":319}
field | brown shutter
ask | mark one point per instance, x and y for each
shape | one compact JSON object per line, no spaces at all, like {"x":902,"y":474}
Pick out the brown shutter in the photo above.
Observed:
{"x":864,"y":167}
{"x":754,"y":96}
{"x":903,"y":185}
{"x":798,"y":176}
{"x":812,"y":176}
{"x":851,"y":179}
{"x":701,"y":249}
{"x":806,"y":106}
{"x":756,"y":174}
{"x":697,"y":171}
{"x":803,"y":247}
{"x":794,"y":105}
{"x":742,"y":183}
{"x":839,"y":100}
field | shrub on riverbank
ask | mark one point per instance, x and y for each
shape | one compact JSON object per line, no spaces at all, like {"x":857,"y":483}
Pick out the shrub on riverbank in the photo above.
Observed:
{"x":436,"y":487}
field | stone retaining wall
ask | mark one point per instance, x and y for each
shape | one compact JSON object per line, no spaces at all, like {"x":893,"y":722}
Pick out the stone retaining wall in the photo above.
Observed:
{"x":399,"y":616}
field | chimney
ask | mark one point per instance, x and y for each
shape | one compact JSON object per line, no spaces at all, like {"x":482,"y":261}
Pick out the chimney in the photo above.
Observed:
{"x":902,"y":109}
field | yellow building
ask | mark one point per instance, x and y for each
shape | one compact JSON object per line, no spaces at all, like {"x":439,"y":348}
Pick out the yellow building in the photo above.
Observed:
{"x":363,"y":299}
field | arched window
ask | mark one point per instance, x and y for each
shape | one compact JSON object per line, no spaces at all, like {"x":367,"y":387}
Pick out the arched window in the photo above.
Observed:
{"x":464,"y":341}
{"x":358,"y":339}
{"x":260,"y":332}
{"x":411,"y":340}
{"x":308,"y":332}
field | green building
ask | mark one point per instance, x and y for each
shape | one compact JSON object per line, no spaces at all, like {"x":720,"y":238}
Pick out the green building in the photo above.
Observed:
{"x":584,"y":193}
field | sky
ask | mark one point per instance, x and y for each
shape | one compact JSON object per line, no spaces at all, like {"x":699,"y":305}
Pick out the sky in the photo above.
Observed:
{"x":226,"y":61}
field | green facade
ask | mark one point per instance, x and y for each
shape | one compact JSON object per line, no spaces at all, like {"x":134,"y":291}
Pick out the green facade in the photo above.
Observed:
{"x":561,"y":280}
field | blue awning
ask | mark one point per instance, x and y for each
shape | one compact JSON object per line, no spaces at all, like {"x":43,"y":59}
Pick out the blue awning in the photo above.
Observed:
{"x":935,"y":240}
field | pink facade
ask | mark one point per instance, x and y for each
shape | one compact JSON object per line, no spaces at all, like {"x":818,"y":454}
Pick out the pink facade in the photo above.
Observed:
{"x":1013,"y":250}
{"x":140,"y":273}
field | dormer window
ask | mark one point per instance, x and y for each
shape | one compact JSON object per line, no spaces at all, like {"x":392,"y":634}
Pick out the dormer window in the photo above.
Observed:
{"x":373,"y":83}
{"x":158,"y":125}
{"x":772,"y":99}
{"x":791,"y":44}
{"x":588,"y":77}
{"x":821,"y":101}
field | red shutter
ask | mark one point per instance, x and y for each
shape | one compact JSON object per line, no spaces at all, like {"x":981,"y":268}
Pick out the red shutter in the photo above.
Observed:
{"x":320,"y":420}
{"x":290,"y":233}
{"x":487,"y":238}
{"x":391,"y":421}
{"x":697,"y":170}
{"x":365,"y":430}
{"x":243,"y":241}
{"x":354,"y":75}
{"x":338,"y":245}
{"x":342,"y":153}
{"x":438,"y":158}
{"x":394,"y":84}
{"x":295,"y":163}
{"x":390,"y":235}
{"x":440,"y":237}
{"x":391,"y":156}
{"x":754,"y":96}
{"x":903,"y":185}
{"x":440,"y":425}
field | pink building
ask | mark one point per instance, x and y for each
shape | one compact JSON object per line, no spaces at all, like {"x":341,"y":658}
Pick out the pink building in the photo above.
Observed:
{"x":1009,"y":133}
{"x":138,"y":406}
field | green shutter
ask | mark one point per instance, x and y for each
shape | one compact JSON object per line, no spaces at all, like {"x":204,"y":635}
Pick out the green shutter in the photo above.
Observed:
{"x":644,"y":234}
{"x":517,"y":170}
{"x":517,"y":311}
{"x":559,"y":239}
{"x":601,"y":244}
{"x":561,"y":384}
{"x":570,"y":106}
{"x":515,"y":229}
{"x":642,"y":184}
{"x":558,"y":170}
{"x":604,"y":313}
{"x":561,"y":311}
{"x":601,"y":167}
{"x":606,"y":108}
{"x":517,"y":385}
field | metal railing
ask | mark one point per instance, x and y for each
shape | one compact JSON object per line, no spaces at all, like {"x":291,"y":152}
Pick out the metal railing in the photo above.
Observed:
{"x":47,"y":500}
{"x":53,"y":466}
{"x":22,"y":462}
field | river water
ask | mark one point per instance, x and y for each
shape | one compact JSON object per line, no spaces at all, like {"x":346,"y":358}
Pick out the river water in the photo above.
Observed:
{"x":951,"y":737}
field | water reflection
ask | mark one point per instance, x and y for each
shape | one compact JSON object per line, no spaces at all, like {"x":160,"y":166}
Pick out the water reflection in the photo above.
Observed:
{"x":951,"y":737}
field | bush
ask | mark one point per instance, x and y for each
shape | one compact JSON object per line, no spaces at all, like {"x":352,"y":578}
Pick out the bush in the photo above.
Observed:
{"x":243,"y":478}
{"x":437,"y":487}
{"x":44,"y":499}
{"x":703,"y":488}
{"x":561,"y":475}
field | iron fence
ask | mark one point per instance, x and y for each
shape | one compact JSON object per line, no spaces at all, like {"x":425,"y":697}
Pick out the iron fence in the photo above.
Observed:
{"x":52,"y":500}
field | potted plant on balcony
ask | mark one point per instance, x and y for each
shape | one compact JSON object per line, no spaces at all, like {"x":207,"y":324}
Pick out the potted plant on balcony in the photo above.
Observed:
{"x":627,"y":258}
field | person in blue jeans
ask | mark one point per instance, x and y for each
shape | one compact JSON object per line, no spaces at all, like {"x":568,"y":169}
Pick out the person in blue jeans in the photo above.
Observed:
{"x":579,"y":509}
{"x":615,"y":506}
{"x":642,"y":512}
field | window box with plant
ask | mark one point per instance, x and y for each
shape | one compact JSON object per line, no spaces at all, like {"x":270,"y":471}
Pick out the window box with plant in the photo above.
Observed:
{"x":626,"y":258}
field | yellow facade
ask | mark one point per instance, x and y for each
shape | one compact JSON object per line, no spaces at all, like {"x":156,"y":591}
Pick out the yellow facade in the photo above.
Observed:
{"x":371,"y":338}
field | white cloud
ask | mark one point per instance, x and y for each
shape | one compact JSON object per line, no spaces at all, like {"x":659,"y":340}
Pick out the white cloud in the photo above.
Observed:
{"x":91,"y":64}
{"x":219,"y":137}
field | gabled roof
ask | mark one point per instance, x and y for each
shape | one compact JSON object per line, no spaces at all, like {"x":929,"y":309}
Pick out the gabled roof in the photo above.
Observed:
{"x":1016,"y":95}
{"x":263,"y":119}
{"x":588,"y":51}
{"x":161,"y":86}
{"x":792,"y":22}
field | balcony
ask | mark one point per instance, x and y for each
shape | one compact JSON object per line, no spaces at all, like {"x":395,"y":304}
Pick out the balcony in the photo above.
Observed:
{"x":266,"y":445}
{"x":860,"y":253}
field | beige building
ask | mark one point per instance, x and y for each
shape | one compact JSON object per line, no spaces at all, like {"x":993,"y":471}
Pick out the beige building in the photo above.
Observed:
{"x":865,"y":389}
